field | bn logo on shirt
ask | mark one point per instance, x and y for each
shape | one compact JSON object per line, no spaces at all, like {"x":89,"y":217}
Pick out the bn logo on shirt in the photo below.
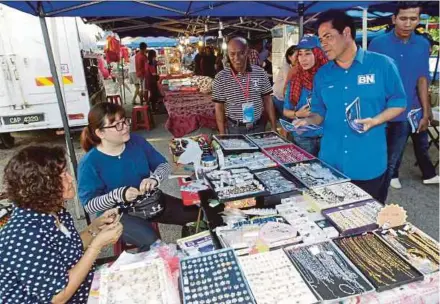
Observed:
{"x":366,"y":79}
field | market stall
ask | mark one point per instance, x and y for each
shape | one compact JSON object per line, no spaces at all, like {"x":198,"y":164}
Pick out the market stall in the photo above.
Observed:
{"x":284,"y":227}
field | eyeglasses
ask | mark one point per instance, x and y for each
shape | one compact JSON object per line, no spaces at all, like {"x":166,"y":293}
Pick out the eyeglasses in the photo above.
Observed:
{"x":120,"y":125}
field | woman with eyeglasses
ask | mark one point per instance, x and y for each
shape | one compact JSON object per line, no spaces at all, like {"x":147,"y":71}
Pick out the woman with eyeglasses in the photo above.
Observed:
{"x":117,"y":168}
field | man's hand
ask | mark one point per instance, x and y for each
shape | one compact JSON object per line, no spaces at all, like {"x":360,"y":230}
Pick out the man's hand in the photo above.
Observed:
{"x":423,"y":124}
{"x":367,"y":122}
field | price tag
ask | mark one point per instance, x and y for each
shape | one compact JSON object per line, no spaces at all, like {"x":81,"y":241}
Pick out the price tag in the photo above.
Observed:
{"x":391,"y":216}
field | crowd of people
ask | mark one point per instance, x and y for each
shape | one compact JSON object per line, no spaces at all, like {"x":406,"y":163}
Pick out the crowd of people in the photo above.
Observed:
{"x":43,"y":258}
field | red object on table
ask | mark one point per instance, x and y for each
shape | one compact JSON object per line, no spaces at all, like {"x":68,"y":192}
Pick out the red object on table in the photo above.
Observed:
{"x":188,"y":198}
{"x":188,"y":111}
{"x":145,"y":123}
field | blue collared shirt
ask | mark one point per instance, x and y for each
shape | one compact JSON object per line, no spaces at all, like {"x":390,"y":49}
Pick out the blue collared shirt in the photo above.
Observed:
{"x":305,"y":94}
{"x":373,"y":78}
{"x":412,"y":60}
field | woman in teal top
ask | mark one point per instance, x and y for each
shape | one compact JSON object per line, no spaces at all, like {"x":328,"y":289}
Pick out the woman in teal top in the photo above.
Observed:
{"x":309,"y":59}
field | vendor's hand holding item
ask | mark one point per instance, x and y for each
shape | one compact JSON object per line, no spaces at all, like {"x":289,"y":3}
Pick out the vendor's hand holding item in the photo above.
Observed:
{"x":109,"y":234}
{"x":303,"y":112}
{"x":110,"y":216}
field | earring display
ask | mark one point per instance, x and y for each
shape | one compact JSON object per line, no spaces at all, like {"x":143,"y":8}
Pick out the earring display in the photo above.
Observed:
{"x":287,"y":154}
{"x":327,"y":272}
{"x":214,"y":278}
{"x":315,"y":173}
{"x":275,"y":182}
{"x":253,"y":161}
{"x":416,"y":247}
{"x":335,"y":195}
{"x":273,"y":279}
{"x":378,"y":262}
{"x":234,"y":184}
{"x":267,"y":139}
{"x":354,"y":218}
{"x":234,"y":142}
{"x":138,"y":283}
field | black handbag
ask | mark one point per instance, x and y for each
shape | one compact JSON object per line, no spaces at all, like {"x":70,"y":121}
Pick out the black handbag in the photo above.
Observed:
{"x":149,"y":205}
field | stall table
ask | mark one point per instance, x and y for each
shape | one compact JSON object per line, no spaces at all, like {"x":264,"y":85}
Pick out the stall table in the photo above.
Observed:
{"x":188,"y":111}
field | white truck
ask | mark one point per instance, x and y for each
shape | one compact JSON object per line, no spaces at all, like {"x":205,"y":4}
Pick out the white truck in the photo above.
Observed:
{"x":27,"y":94}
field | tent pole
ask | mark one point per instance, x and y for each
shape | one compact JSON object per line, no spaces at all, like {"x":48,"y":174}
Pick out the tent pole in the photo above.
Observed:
{"x":58,"y":93}
{"x":364,"y":28}
{"x":301,"y":19}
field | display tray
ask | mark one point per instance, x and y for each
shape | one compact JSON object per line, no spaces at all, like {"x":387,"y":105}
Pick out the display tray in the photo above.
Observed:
{"x":254,"y":161}
{"x":273,"y":279}
{"x":315,"y":173}
{"x":416,"y":247}
{"x":272,"y":185}
{"x":328,"y":272}
{"x":235,"y":143}
{"x":287,"y":154}
{"x":354,"y":218}
{"x":215,"y":277}
{"x":335,"y":195}
{"x":221,"y":194}
{"x":383,"y":267}
{"x":267,"y":139}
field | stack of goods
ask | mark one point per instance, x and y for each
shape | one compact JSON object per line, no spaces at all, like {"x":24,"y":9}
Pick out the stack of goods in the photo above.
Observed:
{"x":143,"y":283}
{"x":273,"y":279}
{"x":315,"y":173}
{"x":298,"y":217}
{"x":416,"y":247}
{"x":197,"y":244}
{"x":354,"y":218}
{"x":235,"y":183}
{"x":253,"y":161}
{"x":381,"y":265}
{"x":204,"y":83}
{"x":329,"y":274}
{"x":267,"y":139}
{"x":335,"y":195}
{"x":275,"y":182}
{"x":214,"y":278}
{"x":287,"y":154}
{"x":234,"y":142}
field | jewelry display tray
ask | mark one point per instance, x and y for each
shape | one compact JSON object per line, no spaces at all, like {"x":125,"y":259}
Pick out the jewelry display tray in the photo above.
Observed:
{"x":232,"y":274}
{"x":353,"y":231}
{"x":268,"y":152}
{"x":255,"y":137}
{"x":236,"y":198}
{"x":251,"y":148}
{"x":275,"y":199}
{"x":340,"y":175}
{"x":320,"y":290}
{"x":380,"y":288}
{"x":420,"y":268}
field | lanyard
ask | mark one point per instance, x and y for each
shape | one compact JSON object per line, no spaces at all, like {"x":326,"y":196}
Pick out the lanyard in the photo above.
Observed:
{"x":245,"y":92}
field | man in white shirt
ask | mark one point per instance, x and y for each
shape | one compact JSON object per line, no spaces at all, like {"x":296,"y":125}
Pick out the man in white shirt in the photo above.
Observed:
{"x":132,"y":76}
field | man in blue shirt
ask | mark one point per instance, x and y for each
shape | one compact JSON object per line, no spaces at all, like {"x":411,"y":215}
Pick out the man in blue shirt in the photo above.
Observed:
{"x":354,"y":73}
{"x":411,"y":54}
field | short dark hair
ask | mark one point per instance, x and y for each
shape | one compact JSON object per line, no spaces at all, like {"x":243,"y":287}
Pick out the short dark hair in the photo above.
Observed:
{"x":290,"y":51}
{"x":339,"y":19}
{"x":142,"y":45}
{"x":404,"y":5}
{"x":151,"y":54}
{"x":32,"y":178}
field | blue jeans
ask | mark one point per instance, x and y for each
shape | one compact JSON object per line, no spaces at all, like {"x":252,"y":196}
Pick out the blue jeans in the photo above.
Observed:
{"x":397,"y":137}
{"x":310,"y":144}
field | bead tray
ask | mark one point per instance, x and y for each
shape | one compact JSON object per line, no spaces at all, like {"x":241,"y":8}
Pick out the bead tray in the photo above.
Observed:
{"x":328,"y":272}
{"x":267,"y":139}
{"x":287,"y":154}
{"x":235,"y":143}
{"x":277,"y":181}
{"x":382,"y":266}
{"x":366,"y":220}
{"x":253,"y":161}
{"x":425,"y":258}
{"x":316,"y":173}
{"x":214,"y":278}
{"x":273,"y":279}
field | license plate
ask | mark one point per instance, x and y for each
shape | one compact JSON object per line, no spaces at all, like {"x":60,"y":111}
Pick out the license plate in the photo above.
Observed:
{"x":23,"y":119}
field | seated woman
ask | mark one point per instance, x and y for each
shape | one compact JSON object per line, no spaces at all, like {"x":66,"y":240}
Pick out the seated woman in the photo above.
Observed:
{"x":120,"y":166}
{"x":297,"y":100}
{"x":43,"y":259}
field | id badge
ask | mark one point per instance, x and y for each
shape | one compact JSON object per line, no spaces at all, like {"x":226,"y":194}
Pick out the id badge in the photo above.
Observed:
{"x":248,"y":112}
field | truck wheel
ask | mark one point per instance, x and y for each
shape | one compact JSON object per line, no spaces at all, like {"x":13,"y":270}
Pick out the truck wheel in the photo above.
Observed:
{"x":6,"y":141}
